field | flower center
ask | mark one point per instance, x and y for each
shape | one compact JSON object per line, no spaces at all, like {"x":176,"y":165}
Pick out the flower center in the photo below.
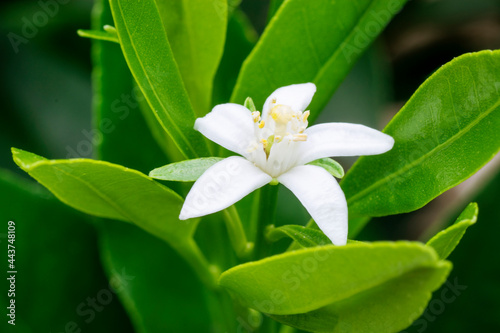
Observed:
{"x":281,"y":122}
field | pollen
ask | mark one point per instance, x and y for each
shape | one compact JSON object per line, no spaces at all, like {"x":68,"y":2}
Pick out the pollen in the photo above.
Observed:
{"x":262,"y":124}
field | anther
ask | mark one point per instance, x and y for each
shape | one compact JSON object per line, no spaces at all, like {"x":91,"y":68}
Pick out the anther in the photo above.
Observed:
{"x":300,"y":137}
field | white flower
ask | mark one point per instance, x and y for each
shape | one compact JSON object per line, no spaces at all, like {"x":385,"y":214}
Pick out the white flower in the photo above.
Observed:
{"x":276,"y":146}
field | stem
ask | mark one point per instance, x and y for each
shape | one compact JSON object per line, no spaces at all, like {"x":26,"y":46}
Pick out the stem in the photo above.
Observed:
{"x":207,"y":273}
{"x":237,"y":235}
{"x":267,"y":213}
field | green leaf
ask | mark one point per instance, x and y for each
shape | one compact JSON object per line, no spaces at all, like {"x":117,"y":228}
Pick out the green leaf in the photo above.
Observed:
{"x":388,"y":308}
{"x":151,"y":285}
{"x":310,"y":279}
{"x":150,"y":261}
{"x":112,"y":191}
{"x":312,"y":41}
{"x":57,"y":259}
{"x":445,"y":133}
{"x":196,"y":30}
{"x":151,"y":61}
{"x":240,"y":39}
{"x":249,"y":104}
{"x":185,"y":171}
{"x":330,"y":165}
{"x":99,"y":35}
{"x":445,"y":241}
{"x":305,"y":237}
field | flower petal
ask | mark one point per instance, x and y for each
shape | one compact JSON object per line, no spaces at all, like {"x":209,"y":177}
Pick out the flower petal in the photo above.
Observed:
{"x":323,"y":198}
{"x":342,"y":139}
{"x":223,"y":184}
{"x":296,"y":96}
{"x":229,"y":125}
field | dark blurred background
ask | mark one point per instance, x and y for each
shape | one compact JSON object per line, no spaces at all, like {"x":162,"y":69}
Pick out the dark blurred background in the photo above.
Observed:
{"x":46,"y":99}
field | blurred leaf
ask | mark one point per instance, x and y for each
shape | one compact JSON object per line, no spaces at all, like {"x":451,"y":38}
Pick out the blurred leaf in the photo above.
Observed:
{"x":445,"y":241}
{"x":309,"y":41}
{"x":444,"y":134}
{"x":57,"y":262}
{"x":185,"y":171}
{"x":330,"y":165}
{"x":274,"y":5}
{"x":196,"y":30}
{"x":326,"y":288}
{"x":112,"y":191}
{"x":240,"y":39}
{"x":305,"y":237}
{"x":475,"y":277}
{"x":158,"y":301}
{"x":150,"y":59}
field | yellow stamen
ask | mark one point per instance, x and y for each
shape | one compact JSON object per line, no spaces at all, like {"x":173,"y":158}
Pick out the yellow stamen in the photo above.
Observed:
{"x":305,"y":115}
{"x":262,"y":124}
{"x":256,"y":116}
{"x":300,"y":137}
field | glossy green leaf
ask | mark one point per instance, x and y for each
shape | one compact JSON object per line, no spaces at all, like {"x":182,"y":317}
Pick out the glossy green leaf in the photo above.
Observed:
{"x":388,"y":308}
{"x":100,"y":35}
{"x":445,"y":241}
{"x":146,"y":258}
{"x":330,"y":165}
{"x":149,"y":56}
{"x":56,"y":259}
{"x":312,"y":41}
{"x":112,"y":191}
{"x":185,"y":171}
{"x":310,"y":279}
{"x":196,"y":31}
{"x":444,"y":134}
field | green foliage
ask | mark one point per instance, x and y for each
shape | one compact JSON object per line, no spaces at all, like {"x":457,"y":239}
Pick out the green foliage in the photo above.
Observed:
{"x":151,"y":61}
{"x":324,"y":288}
{"x":185,"y":171}
{"x":109,"y":36}
{"x":299,"y":46}
{"x":149,"y":260}
{"x":444,"y":134}
{"x":196,"y":31}
{"x":303,"y":236}
{"x":445,"y":241}
{"x":52,"y":266}
{"x":330,"y":165}
{"x":92,"y":187}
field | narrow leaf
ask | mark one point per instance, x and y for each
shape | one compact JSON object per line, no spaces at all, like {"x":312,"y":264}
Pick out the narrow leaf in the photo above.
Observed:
{"x":185,"y":171}
{"x":445,"y":241}
{"x":444,"y":134}
{"x":196,"y":31}
{"x":312,"y":41}
{"x":150,"y":59}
